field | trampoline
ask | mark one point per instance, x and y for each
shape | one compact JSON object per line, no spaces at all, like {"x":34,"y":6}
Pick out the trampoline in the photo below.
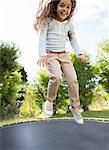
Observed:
{"x":56,"y":134}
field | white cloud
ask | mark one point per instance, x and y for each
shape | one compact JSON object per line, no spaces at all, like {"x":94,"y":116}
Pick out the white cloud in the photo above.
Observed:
{"x":105,"y":24}
{"x":90,"y":9}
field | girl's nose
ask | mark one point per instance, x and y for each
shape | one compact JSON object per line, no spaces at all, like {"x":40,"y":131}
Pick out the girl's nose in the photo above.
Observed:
{"x":64,"y":9}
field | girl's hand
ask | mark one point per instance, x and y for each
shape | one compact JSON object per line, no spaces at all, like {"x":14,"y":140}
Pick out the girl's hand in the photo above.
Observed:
{"x":42,"y":61}
{"x":83,"y":58}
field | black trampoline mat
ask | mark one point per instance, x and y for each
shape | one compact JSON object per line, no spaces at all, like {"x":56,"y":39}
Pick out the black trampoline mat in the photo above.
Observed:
{"x":56,"y":135}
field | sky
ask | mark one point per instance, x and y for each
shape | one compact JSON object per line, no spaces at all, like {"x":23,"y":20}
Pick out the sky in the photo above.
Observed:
{"x":91,"y":22}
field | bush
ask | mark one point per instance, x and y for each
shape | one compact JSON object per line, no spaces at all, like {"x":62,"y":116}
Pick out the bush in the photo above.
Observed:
{"x":8,"y":93}
{"x":29,"y":107}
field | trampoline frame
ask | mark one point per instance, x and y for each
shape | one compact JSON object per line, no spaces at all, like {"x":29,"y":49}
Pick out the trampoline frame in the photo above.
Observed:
{"x":103,"y":120}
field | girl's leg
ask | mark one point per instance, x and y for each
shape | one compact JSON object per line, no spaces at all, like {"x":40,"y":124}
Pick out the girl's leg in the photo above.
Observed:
{"x":55,"y":75}
{"x":71,"y":79}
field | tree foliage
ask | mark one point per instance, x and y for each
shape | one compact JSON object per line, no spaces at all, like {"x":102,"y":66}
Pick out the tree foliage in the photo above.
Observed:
{"x":87,"y":81}
{"x":102,"y":64}
{"x":10,"y":79}
{"x":104,"y":46}
{"x":8,"y":58}
{"x":29,"y":107}
{"x":23,"y":74}
{"x":8,"y":94}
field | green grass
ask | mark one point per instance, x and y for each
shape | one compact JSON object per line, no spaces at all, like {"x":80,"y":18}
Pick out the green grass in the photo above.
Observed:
{"x":90,"y":114}
{"x":97,"y":114}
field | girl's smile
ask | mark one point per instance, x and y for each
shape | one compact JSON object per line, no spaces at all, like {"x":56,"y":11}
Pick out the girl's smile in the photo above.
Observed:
{"x":63,"y":9}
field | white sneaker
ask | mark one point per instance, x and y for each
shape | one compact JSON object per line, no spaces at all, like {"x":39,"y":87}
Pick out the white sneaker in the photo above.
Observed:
{"x":77,"y":115}
{"x":48,"y":108}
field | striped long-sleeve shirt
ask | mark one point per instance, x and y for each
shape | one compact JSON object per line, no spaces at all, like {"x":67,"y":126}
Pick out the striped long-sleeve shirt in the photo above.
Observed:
{"x":53,"y":36}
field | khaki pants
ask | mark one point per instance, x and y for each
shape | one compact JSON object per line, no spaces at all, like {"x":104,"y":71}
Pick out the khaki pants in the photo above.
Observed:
{"x":58,"y":63}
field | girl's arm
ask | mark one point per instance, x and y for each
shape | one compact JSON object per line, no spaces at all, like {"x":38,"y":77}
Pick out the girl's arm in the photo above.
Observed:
{"x":72,"y":38}
{"x":42,"y":45}
{"x":74,"y":44}
{"x":42,"y":39}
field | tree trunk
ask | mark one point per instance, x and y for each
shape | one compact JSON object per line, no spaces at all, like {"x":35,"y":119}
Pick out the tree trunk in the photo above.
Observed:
{"x":85,"y":107}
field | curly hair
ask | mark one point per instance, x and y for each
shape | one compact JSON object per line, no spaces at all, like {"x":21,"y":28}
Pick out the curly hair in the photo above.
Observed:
{"x":49,"y":10}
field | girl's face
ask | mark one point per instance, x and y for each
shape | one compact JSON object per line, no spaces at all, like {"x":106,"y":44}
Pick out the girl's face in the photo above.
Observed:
{"x":63,"y":9}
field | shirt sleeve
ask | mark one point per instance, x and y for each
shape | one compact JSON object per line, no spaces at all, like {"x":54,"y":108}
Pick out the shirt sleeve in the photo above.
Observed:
{"x":73,"y":40}
{"x":42,"y":39}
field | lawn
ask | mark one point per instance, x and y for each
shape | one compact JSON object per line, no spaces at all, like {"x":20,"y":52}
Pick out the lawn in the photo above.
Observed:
{"x":90,"y":114}
{"x":87,"y":114}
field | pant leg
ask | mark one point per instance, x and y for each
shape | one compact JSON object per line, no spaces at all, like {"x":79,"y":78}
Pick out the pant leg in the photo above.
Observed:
{"x":55,"y":75}
{"x":71,"y":79}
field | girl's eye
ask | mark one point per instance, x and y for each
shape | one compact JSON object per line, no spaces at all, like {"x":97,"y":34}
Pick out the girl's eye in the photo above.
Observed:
{"x":62,"y":5}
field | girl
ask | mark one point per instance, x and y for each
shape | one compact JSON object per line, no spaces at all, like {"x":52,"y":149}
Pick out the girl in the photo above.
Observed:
{"x":53,"y":22}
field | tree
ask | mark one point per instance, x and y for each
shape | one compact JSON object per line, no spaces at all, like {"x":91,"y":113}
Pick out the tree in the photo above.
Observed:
{"x":10,"y":79}
{"x":104,"y":46}
{"x":87,"y":81}
{"x":41,"y":87}
{"x":8,"y":94}
{"x":102,"y":64}
{"x":23,"y":74}
{"x":29,"y":107}
{"x":8,"y":59}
